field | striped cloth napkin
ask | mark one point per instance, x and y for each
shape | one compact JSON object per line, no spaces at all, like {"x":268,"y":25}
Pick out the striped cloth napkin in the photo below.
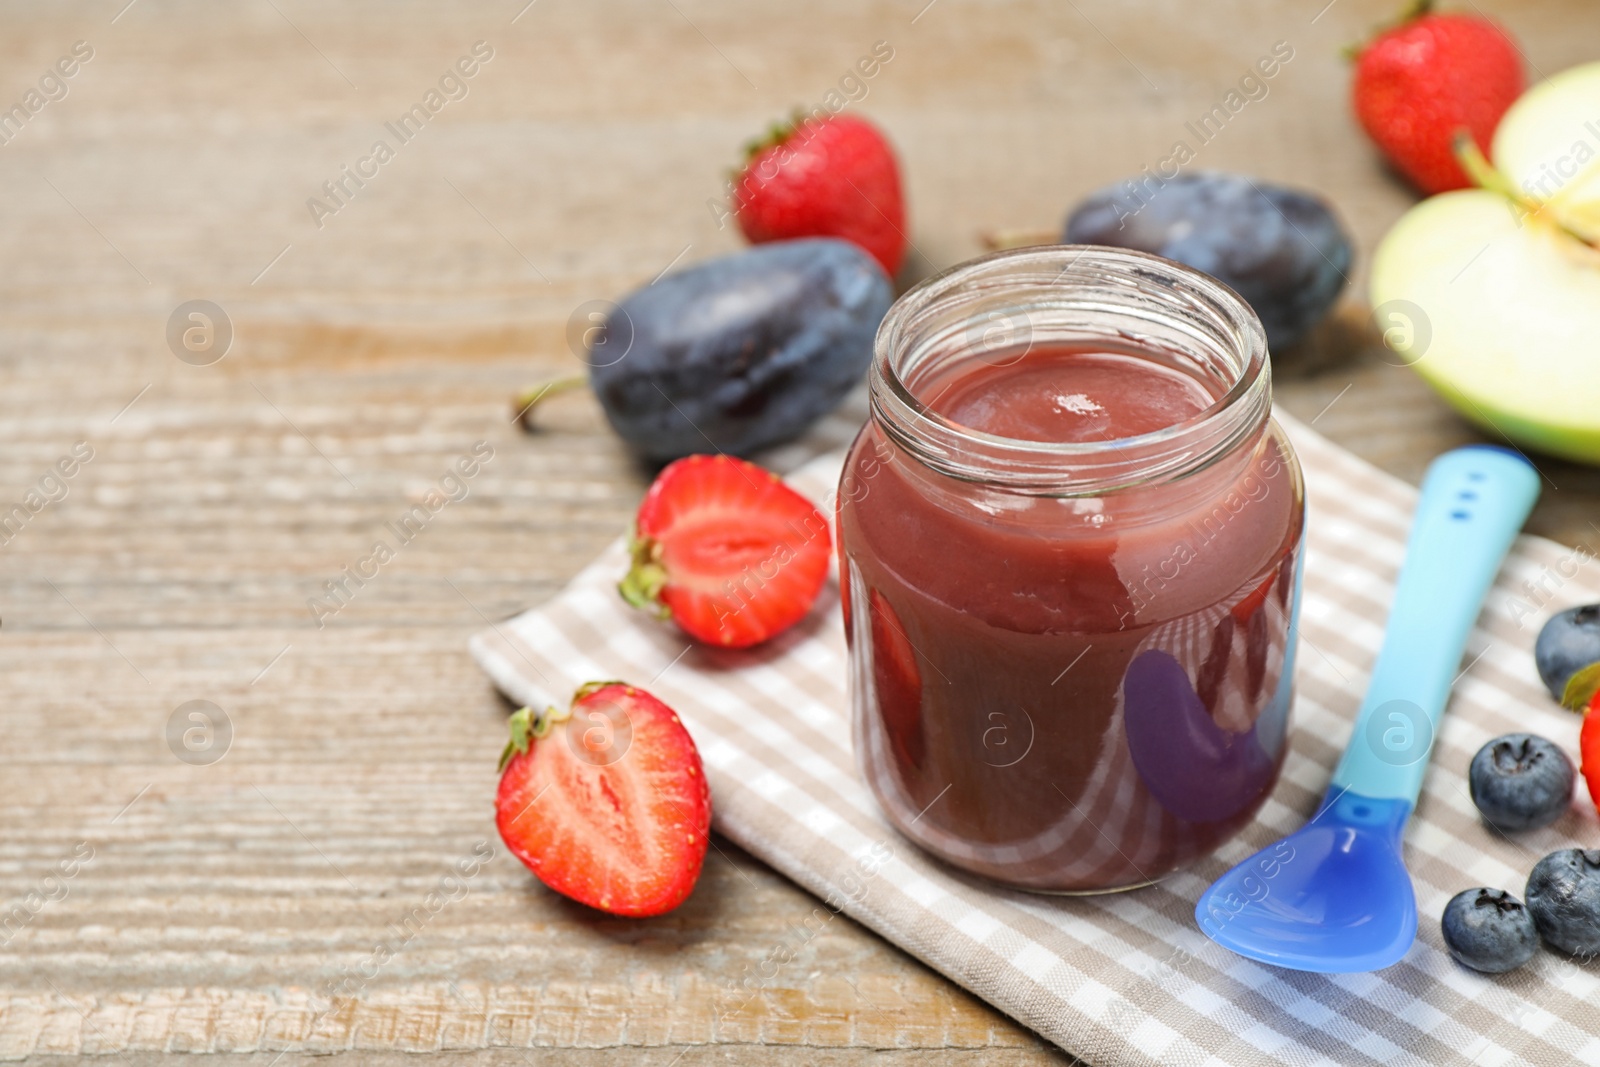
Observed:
{"x":1128,"y":978}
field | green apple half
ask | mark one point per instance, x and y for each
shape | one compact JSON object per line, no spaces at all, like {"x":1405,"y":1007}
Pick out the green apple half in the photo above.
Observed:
{"x":1495,"y":298}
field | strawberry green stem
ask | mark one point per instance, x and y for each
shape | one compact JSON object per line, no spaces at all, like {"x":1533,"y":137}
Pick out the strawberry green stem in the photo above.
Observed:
{"x":776,"y":134}
{"x":528,"y":726}
{"x":521,"y":723}
{"x":529,"y":400}
{"x":646,"y":577}
{"x":1410,"y":13}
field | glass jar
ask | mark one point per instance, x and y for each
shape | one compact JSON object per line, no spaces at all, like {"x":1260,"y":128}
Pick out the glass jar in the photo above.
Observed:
{"x":1071,"y":646}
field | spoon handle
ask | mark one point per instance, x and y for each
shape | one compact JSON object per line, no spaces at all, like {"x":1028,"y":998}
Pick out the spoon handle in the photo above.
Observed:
{"x":1474,"y":500}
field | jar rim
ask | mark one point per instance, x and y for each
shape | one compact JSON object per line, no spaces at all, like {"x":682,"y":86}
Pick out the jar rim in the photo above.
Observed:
{"x":1160,"y":293}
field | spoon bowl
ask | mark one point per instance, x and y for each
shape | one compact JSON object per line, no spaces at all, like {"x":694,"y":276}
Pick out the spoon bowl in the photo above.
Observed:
{"x":1333,"y":896}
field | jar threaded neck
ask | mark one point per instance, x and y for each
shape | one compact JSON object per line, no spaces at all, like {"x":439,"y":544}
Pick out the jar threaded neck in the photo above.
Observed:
{"x":999,"y":306}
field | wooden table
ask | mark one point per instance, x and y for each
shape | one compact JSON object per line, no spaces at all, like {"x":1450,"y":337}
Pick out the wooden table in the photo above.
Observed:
{"x":210,"y":902}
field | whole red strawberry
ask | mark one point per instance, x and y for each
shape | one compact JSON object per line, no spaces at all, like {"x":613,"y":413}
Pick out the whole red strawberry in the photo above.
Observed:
{"x":832,"y":177}
{"x":606,"y":801}
{"x":1421,"y":81}
{"x":727,"y":551}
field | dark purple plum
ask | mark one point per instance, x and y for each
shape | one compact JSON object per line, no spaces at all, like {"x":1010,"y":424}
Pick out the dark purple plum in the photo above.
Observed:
{"x":1281,"y":249}
{"x":739,"y":352}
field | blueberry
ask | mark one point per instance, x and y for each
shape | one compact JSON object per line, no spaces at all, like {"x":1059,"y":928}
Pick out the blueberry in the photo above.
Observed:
{"x":1521,"y":782}
{"x":1280,"y":249}
{"x":1564,"y":896}
{"x":1489,"y":930}
{"x":743,"y":351}
{"x":1569,"y":642}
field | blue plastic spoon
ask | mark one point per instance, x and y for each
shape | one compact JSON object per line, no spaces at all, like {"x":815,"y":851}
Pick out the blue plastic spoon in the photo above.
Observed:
{"x":1334,"y":896}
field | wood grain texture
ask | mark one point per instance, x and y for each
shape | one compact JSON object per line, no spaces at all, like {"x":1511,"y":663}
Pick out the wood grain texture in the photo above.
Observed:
{"x":222,"y":901}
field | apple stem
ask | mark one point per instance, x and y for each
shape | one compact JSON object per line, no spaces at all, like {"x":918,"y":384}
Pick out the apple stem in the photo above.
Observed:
{"x":1485,"y":176}
{"x":529,"y":400}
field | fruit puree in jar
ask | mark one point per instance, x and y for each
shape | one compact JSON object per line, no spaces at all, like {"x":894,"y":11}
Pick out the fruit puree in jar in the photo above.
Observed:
{"x":1071,"y":692}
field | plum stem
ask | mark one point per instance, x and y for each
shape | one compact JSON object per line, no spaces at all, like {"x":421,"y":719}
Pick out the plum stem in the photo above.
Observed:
{"x":526,"y":402}
{"x":996,"y":240}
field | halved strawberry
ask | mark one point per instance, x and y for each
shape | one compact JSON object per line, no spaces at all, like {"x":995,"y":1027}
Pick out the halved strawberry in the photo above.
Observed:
{"x":727,"y":551}
{"x":1589,"y":749}
{"x":606,"y":801}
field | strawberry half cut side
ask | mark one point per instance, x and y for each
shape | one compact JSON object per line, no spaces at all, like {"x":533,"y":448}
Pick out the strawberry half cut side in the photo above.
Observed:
{"x":606,"y":801}
{"x":1589,"y":750}
{"x":727,"y":551}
